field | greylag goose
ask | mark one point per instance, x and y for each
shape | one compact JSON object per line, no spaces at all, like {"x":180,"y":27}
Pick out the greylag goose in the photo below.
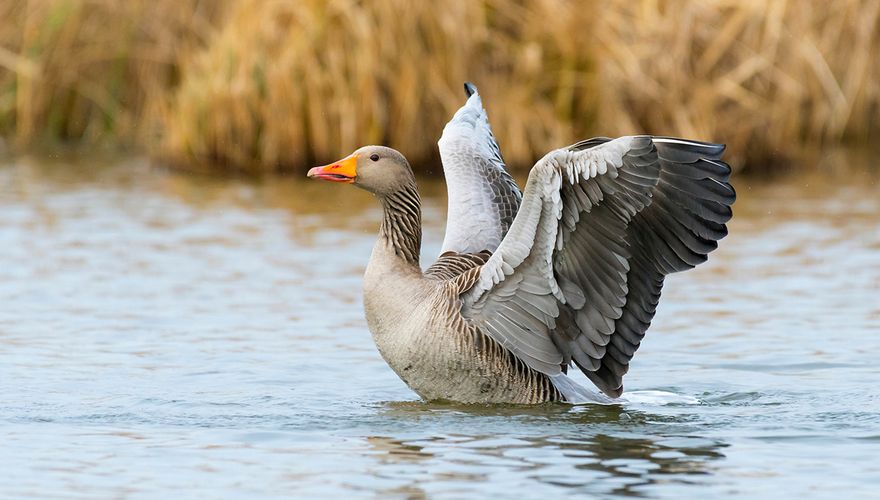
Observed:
{"x":566,"y":273}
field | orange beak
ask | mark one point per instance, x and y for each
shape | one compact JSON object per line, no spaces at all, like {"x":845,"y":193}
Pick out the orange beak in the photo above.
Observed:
{"x":343,"y":170}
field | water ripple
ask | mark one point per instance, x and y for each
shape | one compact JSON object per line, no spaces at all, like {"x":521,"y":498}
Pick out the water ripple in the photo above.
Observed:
{"x":162,"y":334}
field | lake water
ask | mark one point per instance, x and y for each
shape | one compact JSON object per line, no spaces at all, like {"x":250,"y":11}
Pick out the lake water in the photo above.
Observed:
{"x":168,"y":335}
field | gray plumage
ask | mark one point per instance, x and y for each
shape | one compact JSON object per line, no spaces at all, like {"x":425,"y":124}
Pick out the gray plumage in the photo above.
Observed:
{"x":567,"y":273}
{"x":578,"y":277}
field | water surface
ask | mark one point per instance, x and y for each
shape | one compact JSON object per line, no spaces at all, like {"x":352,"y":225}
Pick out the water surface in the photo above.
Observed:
{"x":167,"y":335}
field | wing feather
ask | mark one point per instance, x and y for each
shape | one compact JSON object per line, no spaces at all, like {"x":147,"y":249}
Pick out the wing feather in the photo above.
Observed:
{"x":578,"y":276}
{"x":483,"y":197}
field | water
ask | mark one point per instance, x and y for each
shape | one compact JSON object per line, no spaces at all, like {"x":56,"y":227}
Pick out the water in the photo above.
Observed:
{"x":172,"y":335}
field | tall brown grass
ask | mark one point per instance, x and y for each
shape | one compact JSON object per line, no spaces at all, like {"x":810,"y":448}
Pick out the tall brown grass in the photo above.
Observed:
{"x":269,"y":85}
{"x":774,"y":79}
{"x":92,"y":70}
{"x":288,"y":84}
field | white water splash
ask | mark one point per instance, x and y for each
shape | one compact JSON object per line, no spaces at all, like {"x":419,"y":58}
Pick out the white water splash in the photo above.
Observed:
{"x":658,"y":398}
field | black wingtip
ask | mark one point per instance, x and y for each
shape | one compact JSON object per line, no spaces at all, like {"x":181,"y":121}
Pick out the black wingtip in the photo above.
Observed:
{"x":470,"y":89}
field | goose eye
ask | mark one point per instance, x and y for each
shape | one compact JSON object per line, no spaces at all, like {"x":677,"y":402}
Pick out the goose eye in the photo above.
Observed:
{"x":374,"y":157}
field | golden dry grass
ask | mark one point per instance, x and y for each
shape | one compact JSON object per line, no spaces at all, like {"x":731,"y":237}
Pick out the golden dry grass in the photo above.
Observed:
{"x":774,"y":79}
{"x":92,"y":70}
{"x":288,"y":84}
{"x":270,"y":85}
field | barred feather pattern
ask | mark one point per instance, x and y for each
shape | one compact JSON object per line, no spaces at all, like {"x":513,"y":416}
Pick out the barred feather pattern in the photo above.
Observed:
{"x":402,"y":222}
{"x":452,"y":264}
{"x":529,"y":386}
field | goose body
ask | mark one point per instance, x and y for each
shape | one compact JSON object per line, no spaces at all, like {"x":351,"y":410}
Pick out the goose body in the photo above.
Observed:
{"x":566,"y":273}
{"x":432,"y":347}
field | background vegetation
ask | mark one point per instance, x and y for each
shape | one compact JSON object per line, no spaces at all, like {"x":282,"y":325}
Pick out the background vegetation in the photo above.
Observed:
{"x":269,"y":85}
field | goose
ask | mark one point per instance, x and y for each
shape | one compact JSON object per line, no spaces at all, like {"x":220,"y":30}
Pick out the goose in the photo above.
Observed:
{"x":528,"y":283}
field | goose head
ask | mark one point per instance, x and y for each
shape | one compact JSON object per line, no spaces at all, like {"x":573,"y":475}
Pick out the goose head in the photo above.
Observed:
{"x":377,"y":169}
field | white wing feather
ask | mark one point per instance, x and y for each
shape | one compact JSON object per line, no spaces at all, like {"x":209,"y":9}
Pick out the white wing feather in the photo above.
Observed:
{"x":483,"y":197}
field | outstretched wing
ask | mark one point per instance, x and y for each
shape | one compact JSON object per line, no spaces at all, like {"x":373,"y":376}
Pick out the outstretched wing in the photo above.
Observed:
{"x":578,"y":277}
{"x":483,"y":197}
{"x":690,"y":207}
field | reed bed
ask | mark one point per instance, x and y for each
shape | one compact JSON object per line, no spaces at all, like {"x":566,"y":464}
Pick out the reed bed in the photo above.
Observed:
{"x":266,"y":85}
{"x":776,"y":80}
{"x":93,"y":70}
{"x":289,"y":84}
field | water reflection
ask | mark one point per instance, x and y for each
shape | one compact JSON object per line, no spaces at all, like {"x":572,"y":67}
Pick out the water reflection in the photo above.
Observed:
{"x":594,"y":463}
{"x":596,"y":450}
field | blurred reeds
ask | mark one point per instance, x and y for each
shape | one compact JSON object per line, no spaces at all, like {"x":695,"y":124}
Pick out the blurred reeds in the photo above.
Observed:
{"x":93,"y":70}
{"x":777,"y":80}
{"x":270,"y":85}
